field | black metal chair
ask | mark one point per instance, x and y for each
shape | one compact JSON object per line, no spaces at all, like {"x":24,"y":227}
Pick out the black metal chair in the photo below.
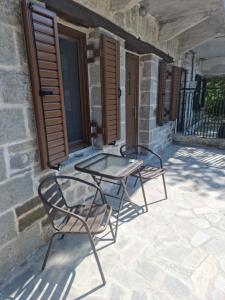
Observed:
{"x":90,"y":219}
{"x":147,"y":171}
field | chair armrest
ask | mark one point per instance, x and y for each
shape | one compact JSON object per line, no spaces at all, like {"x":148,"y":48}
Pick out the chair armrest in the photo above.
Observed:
{"x":85,"y":182}
{"x":155,"y":154}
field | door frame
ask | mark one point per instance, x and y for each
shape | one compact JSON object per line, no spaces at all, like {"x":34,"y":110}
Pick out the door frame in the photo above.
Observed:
{"x":136,"y":57}
{"x":67,"y":32}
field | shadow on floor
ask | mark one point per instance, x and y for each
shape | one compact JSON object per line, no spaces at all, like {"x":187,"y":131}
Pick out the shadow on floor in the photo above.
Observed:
{"x":68,"y":256}
{"x":61,"y":271}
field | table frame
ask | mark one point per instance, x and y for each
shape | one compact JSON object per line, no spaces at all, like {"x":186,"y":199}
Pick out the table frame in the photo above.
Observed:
{"x":120,"y":180}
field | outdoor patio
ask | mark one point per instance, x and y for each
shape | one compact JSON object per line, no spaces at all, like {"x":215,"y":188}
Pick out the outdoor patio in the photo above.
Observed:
{"x":175,"y":251}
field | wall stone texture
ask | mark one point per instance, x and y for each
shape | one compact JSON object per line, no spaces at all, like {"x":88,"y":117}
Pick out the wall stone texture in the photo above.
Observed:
{"x":151,"y":135}
{"x":22,"y":219}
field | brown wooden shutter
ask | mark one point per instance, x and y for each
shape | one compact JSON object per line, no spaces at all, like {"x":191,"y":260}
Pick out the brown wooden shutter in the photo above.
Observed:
{"x":175,"y":93}
{"x":41,"y":34}
{"x":161,"y":93}
{"x":110,"y":81}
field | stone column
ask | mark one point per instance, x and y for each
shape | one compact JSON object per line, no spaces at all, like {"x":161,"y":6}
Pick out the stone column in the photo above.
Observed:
{"x":150,"y":134}
{"x":148,"y":98}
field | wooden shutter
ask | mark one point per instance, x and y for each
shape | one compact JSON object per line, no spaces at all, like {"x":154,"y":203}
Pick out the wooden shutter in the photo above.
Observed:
{"x":161,"y":93}
{"x":110,"y":81}
{"x":175,"y":93}
{"x":41,"y":34}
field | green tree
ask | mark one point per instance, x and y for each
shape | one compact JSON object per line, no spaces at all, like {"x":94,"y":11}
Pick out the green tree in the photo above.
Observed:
{"x":215,"y":97}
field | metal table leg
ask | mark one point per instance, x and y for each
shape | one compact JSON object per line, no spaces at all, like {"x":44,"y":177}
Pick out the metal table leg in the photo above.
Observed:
{"x":123,"y":185}
{"x":98,"y":182}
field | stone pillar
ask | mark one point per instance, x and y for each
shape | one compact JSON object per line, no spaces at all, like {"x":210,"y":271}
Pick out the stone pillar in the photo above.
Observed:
{"x":148,"y":98}
{"x":150,"y":134}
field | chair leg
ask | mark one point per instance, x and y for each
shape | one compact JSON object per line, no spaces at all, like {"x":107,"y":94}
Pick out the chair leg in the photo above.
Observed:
{"x":135,"y":182}
{"x":164,"y":184}
{"x":143,"y":192}
{"x":111,"y":229}
{"x":96,"y":258}
{"x":48,"y":251}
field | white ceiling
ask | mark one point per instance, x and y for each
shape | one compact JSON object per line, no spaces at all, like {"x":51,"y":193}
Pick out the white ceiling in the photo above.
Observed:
{"x":213,"y":48}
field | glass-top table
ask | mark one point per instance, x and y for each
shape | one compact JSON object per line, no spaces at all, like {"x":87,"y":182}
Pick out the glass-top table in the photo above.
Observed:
{"x":109,"y":166}
{"x":114,"y":167}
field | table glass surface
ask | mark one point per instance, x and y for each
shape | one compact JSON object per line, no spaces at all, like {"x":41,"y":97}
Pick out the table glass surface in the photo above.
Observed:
{"x":109,"y":165}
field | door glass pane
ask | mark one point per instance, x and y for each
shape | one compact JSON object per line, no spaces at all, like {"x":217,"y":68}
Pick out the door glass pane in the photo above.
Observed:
{"x":71,"y":85}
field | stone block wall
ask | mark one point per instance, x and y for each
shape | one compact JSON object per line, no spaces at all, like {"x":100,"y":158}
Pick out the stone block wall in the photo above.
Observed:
{"x":19,"y":206}
{"x":151,"y":135}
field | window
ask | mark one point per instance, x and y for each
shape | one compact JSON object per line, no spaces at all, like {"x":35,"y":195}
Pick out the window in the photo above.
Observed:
{"x":74,"y":73}
{"x":57,"y":60}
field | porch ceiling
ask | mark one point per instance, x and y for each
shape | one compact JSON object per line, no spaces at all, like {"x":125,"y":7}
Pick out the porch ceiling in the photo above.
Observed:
{"x":191,"y":22}
{"x":212,"y":48}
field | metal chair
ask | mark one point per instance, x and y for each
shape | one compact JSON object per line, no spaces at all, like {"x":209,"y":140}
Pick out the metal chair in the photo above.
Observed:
{"x":90,"y":219}
{"x":147,"y":171}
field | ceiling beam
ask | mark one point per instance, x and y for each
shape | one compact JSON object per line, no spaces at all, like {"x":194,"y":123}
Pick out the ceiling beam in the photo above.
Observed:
{"x":199,"y":34}
{"x":80,"y":15}
{"x":175,"y":27}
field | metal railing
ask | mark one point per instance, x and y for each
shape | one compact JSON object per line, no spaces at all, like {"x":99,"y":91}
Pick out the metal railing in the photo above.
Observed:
{"x":202,"y":112}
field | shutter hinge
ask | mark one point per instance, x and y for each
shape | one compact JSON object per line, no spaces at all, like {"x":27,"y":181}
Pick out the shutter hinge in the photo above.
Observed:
{"x":30,"y":5}
{"x":95,"y":130}
{"x":119,"y":92}
{"x":56,"y":167}
{"x":95,"y":53}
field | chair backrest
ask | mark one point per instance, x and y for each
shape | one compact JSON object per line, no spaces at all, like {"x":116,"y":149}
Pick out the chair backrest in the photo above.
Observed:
{"x":129,"y":151}
{"x":52,"y":197}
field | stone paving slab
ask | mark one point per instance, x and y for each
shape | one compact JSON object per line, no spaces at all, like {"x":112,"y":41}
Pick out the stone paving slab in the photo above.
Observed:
{"x":175,"y":251}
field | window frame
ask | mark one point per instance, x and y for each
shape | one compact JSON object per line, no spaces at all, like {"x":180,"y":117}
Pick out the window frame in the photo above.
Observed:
{"x":67,"y":32}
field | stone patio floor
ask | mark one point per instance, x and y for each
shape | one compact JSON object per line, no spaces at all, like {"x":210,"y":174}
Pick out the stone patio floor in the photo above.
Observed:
{"x":175,"y":251}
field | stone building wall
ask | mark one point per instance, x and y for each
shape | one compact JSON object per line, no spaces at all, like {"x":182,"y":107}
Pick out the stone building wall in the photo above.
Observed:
{"x":23,"y":223}
{"x":22,"y":219}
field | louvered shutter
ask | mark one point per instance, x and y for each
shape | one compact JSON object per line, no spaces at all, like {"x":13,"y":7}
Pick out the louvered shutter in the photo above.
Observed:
{"x":175,"y":93}
{"x":41,"y":34}
{"x":161,"y":93}
{"x":110,"y":81}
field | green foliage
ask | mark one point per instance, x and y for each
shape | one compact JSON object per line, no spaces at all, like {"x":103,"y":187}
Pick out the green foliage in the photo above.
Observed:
{"x":215,"y":97}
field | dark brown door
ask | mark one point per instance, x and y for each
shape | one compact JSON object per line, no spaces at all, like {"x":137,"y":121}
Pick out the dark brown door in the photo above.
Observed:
{"x":132,"y":85}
